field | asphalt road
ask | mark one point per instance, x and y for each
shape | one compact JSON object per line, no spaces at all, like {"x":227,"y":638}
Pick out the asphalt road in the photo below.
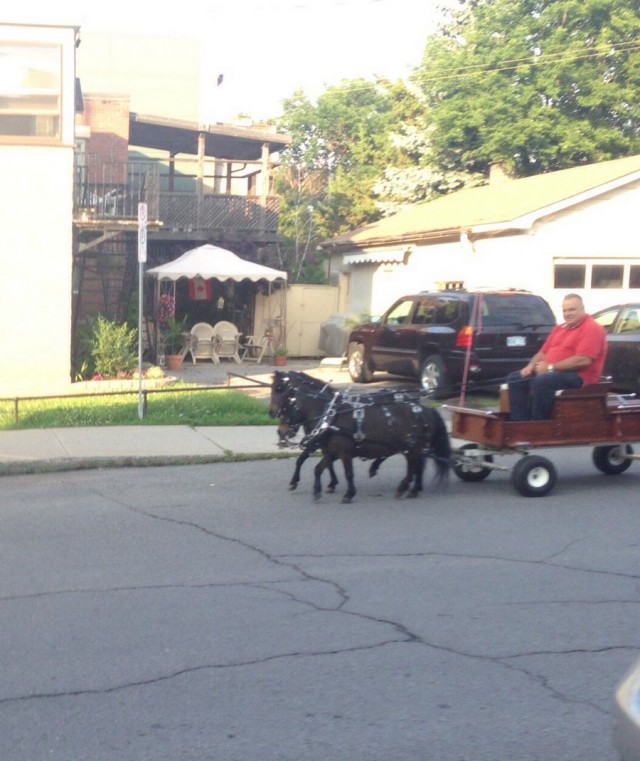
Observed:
{"x":205,"y":612}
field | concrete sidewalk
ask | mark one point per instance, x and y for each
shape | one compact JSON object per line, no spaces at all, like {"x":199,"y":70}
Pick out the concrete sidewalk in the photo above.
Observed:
{"x":54,"y":449}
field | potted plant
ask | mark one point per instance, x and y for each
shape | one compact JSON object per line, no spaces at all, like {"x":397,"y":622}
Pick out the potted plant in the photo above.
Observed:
{"x":280,"y":354}
{"x":174,"y":342}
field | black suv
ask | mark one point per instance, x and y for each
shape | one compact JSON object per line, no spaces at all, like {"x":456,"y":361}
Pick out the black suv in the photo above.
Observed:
{"x":434,"y":336}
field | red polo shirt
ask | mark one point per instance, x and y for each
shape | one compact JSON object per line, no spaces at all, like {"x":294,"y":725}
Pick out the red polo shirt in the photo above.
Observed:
{"x":587,"y":339}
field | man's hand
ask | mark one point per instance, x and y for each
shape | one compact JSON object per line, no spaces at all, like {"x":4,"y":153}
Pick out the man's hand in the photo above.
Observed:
{"x":527,"y":371}
{"x":541,"y":367}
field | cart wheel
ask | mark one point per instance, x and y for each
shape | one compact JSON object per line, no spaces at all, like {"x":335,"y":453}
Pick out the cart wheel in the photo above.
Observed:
{"x":472,"y":470}
{"x":611,"y":460}
{"x":533,"y":476}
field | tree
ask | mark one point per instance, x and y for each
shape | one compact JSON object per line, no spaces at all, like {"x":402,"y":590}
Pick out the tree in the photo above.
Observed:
{"x":339,"y":149}
{"x":537,"y":84}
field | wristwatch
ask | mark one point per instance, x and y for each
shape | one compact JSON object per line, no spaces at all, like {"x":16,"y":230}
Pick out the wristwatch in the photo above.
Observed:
{"x":550,"y":368}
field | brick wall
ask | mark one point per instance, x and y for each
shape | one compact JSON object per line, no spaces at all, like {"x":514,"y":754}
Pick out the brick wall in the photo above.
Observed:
{"x":107,"y":116}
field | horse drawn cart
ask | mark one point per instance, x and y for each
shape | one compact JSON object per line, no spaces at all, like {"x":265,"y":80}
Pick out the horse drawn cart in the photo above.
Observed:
{"x":589,"y":416}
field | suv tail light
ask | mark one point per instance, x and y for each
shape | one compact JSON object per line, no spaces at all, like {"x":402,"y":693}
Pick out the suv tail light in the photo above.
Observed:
{"x":465,"y":337}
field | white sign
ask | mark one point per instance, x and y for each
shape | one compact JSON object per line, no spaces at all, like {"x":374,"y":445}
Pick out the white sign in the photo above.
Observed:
{"x":142,"y":232}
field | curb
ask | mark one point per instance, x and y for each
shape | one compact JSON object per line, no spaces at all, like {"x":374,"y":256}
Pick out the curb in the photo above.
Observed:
{"x":30,"y":467}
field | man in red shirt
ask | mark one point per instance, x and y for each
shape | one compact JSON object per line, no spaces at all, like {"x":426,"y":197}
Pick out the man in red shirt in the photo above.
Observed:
{"x":572,"y":356}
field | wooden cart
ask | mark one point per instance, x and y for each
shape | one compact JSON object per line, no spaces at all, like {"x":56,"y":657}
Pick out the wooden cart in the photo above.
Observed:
{"x":589,"y":416}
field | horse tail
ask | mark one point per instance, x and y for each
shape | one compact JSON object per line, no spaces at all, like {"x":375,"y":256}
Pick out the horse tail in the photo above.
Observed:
{"x":440,"y":448}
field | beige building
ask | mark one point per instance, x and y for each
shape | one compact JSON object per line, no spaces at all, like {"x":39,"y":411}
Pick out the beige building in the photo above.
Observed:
{"x":136,"y":66}
{"x":37,"y":92}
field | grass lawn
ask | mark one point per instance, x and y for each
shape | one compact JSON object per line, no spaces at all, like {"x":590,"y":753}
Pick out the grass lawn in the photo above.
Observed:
{"x":179,"y":407}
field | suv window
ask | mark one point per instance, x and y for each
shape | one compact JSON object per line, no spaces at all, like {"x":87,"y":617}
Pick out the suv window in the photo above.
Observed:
{"x":400,"y":313}
{"x":520,"y":309}
{"x":431,"y":310}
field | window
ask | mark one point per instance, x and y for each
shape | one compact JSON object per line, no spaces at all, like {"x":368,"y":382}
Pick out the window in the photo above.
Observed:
{"x":607,"y":275}
{"x":398,"y":315}
{"x":425,"y":311}
{"x":629,"y":321}
{"x":448,"y":311}
{"x":569,"y":275}
{"x":30,"y":91}
{"x":634,"y":276}
{"x":607,"y":319}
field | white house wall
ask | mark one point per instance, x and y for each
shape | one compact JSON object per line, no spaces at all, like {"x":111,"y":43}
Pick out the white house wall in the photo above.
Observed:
{"x":600,"y":231}
{"x":604,"y":230}
{"x":509,"y":262}
{"x":36,"y":245}
{"x":36,"y":206}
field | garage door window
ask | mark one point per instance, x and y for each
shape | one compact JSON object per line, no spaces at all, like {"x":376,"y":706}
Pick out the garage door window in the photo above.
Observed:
{"x":607,"y":276}
{"x":569,"y":275}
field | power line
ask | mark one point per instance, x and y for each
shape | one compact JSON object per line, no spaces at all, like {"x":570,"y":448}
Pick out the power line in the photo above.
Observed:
{"x":544,"y":59}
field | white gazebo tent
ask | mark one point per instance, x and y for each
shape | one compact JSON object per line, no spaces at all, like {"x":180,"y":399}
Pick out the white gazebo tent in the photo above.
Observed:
{"x":208,"y":262}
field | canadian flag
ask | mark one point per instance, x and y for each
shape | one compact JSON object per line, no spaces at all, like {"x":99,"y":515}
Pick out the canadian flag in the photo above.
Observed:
{"x":200,"y":289}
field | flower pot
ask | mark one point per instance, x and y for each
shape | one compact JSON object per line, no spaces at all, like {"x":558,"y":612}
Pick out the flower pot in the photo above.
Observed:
{"x":280,"y":360}
{"x":174,"y":361}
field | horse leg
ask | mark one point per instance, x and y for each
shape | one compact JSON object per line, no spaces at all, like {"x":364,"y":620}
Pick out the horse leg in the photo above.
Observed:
{"x":347,"y":462}
{"x":325,"y":462}
{"x":418,"y":460}
{"x":333,"y":482}
{"x":375,"y":466}
{"x":301,"y":459}
{"x":404,"y":484}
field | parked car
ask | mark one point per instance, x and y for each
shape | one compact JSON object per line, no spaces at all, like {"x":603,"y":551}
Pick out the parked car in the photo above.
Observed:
{"x":439,"y":336}
{"x":626,"y":715}
{"x":622,"y":323}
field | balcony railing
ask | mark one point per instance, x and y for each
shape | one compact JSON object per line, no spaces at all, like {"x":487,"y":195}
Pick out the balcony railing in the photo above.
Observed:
{"x":112,"y":192}
{"x":184,"y":211}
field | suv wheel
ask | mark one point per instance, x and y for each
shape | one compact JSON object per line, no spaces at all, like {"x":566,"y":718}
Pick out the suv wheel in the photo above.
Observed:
{"x":357,"y":364}
{"x":433,"y":376}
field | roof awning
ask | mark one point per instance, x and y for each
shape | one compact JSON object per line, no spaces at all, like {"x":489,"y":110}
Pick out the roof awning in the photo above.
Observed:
{"x":399,"y":256}
{"x":214,"y":262}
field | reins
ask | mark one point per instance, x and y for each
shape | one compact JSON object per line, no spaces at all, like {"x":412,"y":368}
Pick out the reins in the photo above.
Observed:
{"x":343,"y":403}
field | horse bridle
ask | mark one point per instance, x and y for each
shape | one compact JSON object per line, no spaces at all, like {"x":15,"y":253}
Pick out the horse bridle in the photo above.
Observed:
{"x":289,"y":410}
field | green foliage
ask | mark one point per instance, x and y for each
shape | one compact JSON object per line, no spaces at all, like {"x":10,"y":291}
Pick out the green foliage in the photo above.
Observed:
{"x":113,"y":348}
{"x":539,"y":86}
{"x":164,"y":408}
{"x":340,"y":147}
{"x":172,"y":335}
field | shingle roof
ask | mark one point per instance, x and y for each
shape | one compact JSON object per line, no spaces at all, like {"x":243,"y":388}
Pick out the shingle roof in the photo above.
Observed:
{"x":493,"y":204}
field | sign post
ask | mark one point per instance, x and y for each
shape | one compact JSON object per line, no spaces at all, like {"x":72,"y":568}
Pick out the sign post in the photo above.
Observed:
{"x":142,"y":258}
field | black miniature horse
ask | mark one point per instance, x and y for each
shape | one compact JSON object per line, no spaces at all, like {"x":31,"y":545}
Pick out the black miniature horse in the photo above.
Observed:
{"x":370,"y":426}
{"x":283,"y":406}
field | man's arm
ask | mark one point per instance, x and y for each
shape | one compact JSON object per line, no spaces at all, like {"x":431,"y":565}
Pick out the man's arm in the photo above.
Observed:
{"x":577,"y":362}
{"x":530,"y":369}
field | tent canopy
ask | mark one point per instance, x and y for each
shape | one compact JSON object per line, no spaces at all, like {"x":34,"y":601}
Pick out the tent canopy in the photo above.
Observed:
{"x":213,"y":262}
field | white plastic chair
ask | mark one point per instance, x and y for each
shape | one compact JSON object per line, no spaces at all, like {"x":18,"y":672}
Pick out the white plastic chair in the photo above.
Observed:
{"x":201,"y":346}
{"x":226,"y":342}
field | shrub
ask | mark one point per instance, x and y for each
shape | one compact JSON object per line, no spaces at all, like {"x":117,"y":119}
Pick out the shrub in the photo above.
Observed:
{"x":113,"y":348}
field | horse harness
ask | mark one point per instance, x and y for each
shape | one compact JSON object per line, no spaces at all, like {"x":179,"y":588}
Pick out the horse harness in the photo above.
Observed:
{"x":358,"y":404}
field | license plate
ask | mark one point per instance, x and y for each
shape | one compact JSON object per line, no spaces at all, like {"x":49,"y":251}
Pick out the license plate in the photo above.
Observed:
{"x":516,"y":340}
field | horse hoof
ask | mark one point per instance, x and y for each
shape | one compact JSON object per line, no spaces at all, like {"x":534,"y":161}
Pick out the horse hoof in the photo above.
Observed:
{"x":331,"y":489}
{"x":346,"y":500}
{"x":292,"y":487}
{"x":316,"y":497}
{"x":412,"y":495}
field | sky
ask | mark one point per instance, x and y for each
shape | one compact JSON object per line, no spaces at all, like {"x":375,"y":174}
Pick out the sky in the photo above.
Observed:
{"x":267,"y":49}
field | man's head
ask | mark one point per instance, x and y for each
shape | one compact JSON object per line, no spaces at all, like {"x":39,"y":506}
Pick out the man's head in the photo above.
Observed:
{"x":573,"y":309}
